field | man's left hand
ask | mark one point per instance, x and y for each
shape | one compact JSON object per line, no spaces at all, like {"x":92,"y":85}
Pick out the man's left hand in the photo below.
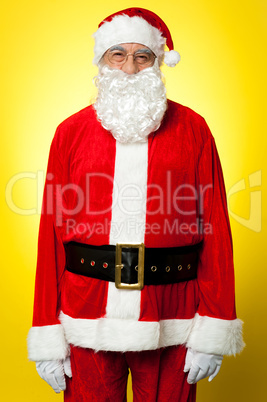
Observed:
{"x":201,"y":365}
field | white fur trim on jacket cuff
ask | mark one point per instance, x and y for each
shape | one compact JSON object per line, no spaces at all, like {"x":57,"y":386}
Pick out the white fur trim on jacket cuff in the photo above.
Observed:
{"x":217,"y":336}
{"x":47,"y":343}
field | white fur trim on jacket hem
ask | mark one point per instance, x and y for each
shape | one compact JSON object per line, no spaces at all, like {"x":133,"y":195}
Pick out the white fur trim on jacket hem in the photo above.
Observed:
{"x":125,"y":335}
{"x":47,"y":343}
{"x":217,"y":336}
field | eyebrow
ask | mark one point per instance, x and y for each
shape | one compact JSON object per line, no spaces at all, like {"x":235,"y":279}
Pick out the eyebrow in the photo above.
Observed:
{"x":144,"y":51}
{"x":117,"y":48}
{"x":124,"y":50}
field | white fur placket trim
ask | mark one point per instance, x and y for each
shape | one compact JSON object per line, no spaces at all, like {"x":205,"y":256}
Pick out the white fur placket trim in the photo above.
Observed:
{"x":128,"y":219}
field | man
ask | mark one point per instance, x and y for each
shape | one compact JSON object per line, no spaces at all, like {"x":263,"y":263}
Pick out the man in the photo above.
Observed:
{"x":141,"y":173}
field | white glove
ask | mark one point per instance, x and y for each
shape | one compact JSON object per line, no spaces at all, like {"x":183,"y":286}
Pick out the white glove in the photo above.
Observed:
{"x":201,"y":365}
{"x":52,"y":371}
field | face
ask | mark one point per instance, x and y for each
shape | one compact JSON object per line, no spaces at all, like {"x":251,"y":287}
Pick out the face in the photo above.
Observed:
{"x":131,"y":65}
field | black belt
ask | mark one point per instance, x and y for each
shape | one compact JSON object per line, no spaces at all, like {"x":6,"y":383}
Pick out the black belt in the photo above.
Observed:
{"x":161,"y":265}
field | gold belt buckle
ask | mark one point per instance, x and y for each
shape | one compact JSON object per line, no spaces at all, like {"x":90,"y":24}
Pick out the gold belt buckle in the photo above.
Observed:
{"x":118,"y":266}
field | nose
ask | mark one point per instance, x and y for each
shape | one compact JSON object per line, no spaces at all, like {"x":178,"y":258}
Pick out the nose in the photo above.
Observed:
{"x":130,"y":67}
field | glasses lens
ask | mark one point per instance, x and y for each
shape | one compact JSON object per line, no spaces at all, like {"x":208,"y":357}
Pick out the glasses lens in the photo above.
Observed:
{"x":116,"y":56}
{"x":144,"y":58}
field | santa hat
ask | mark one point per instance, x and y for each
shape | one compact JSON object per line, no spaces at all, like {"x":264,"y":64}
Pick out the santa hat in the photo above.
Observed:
{"x":135,"y":25}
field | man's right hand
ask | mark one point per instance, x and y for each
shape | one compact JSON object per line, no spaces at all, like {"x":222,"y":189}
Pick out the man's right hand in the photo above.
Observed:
{"x":53,"y":372}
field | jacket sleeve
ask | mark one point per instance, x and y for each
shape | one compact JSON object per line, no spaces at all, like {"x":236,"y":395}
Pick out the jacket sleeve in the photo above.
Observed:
{"x":46,"y":340}
{"x":215,"y":329}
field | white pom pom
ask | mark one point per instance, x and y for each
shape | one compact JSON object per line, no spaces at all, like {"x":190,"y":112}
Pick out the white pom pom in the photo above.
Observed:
{"x":171,"y":58}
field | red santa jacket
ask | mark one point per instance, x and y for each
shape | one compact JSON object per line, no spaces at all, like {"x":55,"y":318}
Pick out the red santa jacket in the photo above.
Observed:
{"x":166,"y":192}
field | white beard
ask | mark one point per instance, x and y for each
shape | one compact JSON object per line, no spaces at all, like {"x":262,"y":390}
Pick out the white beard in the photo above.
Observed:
{"x":130,"y":106}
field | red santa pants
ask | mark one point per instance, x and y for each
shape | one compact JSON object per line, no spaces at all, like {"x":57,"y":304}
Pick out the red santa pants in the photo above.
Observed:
{"x":157,"y":375}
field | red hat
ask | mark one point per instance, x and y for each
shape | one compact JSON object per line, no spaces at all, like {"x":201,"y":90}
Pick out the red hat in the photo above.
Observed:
{"x":135,"y":25}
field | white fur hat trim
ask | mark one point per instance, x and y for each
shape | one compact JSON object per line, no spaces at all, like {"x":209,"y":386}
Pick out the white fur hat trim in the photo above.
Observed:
{"x":125,"y":29}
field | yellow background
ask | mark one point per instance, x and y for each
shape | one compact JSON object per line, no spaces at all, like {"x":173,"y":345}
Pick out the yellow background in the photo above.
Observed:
{"x":46,"y":75}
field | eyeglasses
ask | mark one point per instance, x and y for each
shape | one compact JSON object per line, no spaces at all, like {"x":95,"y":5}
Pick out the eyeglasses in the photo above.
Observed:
{"x":141,"y":57}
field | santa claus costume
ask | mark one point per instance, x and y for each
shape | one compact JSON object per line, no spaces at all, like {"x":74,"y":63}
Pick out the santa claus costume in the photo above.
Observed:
{"x":166,"y":191}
